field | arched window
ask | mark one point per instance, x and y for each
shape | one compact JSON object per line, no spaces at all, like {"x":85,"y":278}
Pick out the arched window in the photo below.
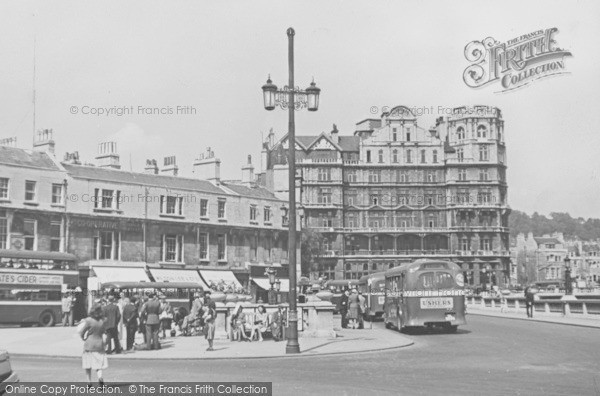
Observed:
{"x":460,"y":133}
{"x":395,"y":156}
{"x":481,"y":131}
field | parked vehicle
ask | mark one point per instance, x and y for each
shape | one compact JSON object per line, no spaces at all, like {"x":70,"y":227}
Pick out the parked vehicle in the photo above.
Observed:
{"x":373,"y":289}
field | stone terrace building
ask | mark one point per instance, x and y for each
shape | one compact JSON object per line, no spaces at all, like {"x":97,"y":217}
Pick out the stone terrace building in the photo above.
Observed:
{"x":101,"y":215}
{"x":394,"y":192}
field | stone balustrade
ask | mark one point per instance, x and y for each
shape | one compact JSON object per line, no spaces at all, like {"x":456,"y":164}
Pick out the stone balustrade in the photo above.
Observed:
{"x":575,"y":307}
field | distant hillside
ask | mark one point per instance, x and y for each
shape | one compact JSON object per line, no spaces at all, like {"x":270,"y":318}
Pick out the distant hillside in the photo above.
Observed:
{"x":584,"y":229}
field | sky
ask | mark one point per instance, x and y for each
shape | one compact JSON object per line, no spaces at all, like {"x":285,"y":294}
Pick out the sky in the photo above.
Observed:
{"x":215,"y":56}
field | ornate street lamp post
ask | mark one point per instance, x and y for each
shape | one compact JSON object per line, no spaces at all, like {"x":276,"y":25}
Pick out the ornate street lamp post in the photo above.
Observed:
{"x":271,"y":273}
{"x":291,"y":98}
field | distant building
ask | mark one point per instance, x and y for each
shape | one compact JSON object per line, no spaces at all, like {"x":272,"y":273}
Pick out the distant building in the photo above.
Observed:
{"x":394,"y":192}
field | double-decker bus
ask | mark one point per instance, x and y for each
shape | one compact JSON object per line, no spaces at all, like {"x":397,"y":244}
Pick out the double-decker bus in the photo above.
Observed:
{"x":372,"y":287}
{"x":31,"y":294}
{"x":425,"y":293}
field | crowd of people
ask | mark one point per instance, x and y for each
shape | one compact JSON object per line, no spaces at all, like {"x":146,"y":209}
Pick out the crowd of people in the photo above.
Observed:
{"x":249,"y":326}
{"x":152,"y":315}
{"x":352,"y":306}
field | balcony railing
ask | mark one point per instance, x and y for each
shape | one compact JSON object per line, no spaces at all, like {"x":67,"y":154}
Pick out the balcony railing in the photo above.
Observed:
{"x":411,"y":252}
{"x":479,"y":228}
{"x":411,"y":230}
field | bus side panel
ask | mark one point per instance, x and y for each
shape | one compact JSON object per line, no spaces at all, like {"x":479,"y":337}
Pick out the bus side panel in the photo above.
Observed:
{"x":27,"y":312}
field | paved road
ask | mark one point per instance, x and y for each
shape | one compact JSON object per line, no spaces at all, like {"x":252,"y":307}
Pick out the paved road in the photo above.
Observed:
{"x":490,"y":356}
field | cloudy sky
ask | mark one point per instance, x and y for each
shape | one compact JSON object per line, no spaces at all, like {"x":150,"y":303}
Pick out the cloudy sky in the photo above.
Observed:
{"x":215,"y":57}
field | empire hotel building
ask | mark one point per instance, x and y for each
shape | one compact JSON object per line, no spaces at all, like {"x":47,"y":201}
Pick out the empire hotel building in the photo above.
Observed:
{"x":394,"y":192}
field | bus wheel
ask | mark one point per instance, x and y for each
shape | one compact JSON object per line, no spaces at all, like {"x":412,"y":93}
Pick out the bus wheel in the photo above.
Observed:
{"x":46,"y":319}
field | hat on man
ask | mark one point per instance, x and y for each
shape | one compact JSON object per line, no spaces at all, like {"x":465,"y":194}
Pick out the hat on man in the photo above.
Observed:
{"x":111,"y":298}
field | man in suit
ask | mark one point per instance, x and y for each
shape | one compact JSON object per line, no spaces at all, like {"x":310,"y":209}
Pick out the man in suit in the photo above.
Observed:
{"x":151,"y":310}
{"x":343,"y":308}
{"x":362,"y":310}
{"x":130,"y":316}
{"x":113,"y":316}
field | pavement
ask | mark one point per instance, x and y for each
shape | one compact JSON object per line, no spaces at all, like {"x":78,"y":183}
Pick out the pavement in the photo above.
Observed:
{"x":64,"y":342}
{"x":556,"y":318}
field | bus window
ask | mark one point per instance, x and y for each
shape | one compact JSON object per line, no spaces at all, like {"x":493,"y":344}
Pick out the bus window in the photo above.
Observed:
{"x":435,"y":280}
{"x":444,"y":280}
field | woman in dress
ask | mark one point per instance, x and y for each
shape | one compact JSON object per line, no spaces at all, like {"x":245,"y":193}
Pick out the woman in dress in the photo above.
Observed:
{"x":166,"y":315}
{"x":261,"y":323}
{"x":238,"y":320}
{"x":209,"y":316}
{"x":353,"y":308}
{"x":91,"y":332}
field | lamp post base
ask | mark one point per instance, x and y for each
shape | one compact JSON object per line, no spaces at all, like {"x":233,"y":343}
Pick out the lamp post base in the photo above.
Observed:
{"x":292,"y":347}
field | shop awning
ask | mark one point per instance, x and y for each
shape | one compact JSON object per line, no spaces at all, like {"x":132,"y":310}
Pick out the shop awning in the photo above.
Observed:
{"x":173,"y":275}
{"x":35,"y":255}
{"x":263,"y":283}
{"x":123,"y":274}
{"x":217,"y":277}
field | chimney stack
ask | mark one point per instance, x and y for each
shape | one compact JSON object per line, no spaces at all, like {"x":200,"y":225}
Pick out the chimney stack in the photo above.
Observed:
{"x":170,"y":166}
{"x":248,"y":172}
{"x":9,"y":142}
{"x":334,"y":134}
{"x":72,"y":158}
{"x":151,"y":167}
{"x":207,"y":167}
{"x":43,"y":141}
{"x":107,"y":155}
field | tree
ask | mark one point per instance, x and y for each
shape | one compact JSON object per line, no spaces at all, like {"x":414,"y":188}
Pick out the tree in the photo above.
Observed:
{"x":310,"y":249}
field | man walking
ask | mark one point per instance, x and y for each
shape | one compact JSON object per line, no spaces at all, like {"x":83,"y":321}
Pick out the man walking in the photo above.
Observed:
{"x":113,"y":316}
{"x":343,"y":308}
{"x":130,"y":316}
{"x":151,"y":310}
{"x":529,"y":301}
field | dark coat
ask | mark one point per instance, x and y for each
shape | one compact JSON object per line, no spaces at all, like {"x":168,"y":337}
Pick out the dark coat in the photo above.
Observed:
{"x":152,"y":310}
{"x":112,"y":315}
{"x":343,"y":307}
{"x":130,"y":314}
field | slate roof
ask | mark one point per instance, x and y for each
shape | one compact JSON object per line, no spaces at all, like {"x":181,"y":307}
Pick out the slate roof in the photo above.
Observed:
{"x":120,"y":176}
{"x":254,"y":192}
{"x":21,"y":157}
{"x":346,"y":143}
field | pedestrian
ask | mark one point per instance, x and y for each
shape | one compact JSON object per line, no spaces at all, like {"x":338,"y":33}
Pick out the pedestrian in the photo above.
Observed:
{"x":209,"y":316}
{"x":166,"y":315}
{"x":91,"y":330}
{"x":261,"y":323}
{"x":130,"y":320}
{"x":353,"y":308}
{"x":277,"y":323}
{"x":67,"y":304}
{"x":529,"y":301}
{"x":113,"y":317}
{"x":362,"y":310}
{"x":121,"y":304}
{"x":142,"y":316}
{"x":152,"y":310}
{"x":343,"y":308}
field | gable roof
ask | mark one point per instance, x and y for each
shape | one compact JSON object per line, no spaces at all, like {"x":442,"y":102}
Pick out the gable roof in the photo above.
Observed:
{"x":345,"y":143}
{"x":26,"y":158}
